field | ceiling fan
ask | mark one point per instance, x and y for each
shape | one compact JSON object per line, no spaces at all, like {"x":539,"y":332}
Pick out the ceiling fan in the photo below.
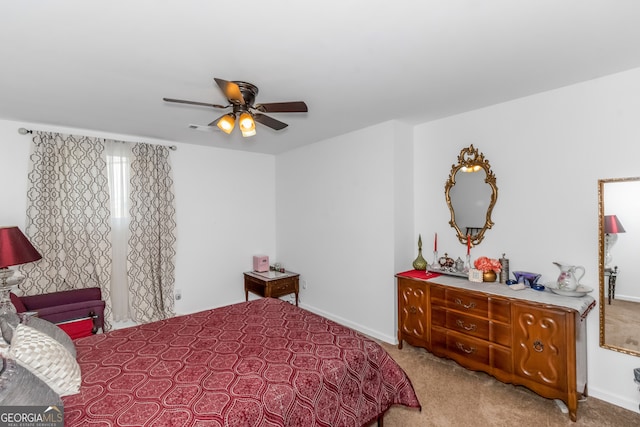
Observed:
{"x":241,"y":97}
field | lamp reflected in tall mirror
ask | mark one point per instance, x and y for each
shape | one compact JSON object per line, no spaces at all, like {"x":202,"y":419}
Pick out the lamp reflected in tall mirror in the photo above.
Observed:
{"x":612,"y":227}
{"x":618,"y":204}
{"x":471,"y":194}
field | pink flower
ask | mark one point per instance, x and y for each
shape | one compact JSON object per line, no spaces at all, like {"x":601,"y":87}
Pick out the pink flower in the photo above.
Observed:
{"x":487,"y":264}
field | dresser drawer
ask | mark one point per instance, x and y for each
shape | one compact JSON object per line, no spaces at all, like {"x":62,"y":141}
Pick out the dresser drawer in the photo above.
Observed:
{"x":500,"y":333}
{"x":467,"y":302}
{"x":438,"y":296}
{"x":472,"y":353}
{"x":468,"y":325}
{"x":465,"y":349}
{"x":438,"y":316}
{"x":281,"y":287}
{"x":500,"y":309}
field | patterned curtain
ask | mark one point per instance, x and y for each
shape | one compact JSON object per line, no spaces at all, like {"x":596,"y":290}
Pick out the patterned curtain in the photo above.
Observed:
{"x":68,"y":218}
{"x":151,"y":255}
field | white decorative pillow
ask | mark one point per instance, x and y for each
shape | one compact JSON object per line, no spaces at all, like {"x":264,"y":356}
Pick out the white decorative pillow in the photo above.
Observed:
{"x":52,"y":330}
{"x":8,"y":323}
{"x":47,"y":359}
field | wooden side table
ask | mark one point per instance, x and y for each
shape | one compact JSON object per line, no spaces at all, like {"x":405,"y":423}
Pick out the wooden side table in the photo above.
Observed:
{"x":271,"y":284}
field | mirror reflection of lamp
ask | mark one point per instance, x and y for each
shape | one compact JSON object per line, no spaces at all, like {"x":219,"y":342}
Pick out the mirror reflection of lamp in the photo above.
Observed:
{"x":612,"y":227}
{"x":15,"y":249}
{"x":471,"y":168}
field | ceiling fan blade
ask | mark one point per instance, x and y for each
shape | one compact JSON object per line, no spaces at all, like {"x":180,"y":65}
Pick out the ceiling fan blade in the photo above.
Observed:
{"x":269,"y":121}
{"x":181,"y":101}
{"x":230,"y":90}
{"x":283,"y":107}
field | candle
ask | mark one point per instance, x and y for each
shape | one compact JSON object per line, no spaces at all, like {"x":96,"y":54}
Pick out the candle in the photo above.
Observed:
{"x":435,"y":243}
{"x":468,"y":245}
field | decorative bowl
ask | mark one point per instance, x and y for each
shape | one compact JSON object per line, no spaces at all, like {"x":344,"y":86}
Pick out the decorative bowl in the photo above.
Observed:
{"x":527,"y":278}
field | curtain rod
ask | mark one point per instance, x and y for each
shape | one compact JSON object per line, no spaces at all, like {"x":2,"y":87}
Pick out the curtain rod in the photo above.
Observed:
{"x":23,"y":131}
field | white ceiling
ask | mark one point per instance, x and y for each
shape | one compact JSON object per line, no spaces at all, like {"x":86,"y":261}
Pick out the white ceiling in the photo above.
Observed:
{"x":106,"y":65}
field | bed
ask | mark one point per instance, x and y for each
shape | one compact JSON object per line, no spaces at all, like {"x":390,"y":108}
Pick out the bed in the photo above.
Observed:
{"x":259,"y":363}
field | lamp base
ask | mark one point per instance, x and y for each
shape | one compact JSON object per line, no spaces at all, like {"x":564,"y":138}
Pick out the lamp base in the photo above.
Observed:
{"x":609,"y":241}
{"x":6,"y":306}
{"x":7,"y":284}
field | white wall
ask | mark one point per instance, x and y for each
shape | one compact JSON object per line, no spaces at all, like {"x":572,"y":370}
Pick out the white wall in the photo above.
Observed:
{"x":337,"y":220}
{"x":225,"y":212}
{"x":548,"y":152}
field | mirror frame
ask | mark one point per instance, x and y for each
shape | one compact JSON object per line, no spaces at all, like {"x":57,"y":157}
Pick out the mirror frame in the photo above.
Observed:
{"x":470,"y":157}
{"x":601,"y":255}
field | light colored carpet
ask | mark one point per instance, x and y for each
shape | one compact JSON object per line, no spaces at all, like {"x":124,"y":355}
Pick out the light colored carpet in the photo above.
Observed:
{"x":622,"y":324}
{"x":453,"y":396}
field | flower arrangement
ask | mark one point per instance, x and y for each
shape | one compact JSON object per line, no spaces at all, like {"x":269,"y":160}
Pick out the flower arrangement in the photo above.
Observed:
{"x":487,"y":264}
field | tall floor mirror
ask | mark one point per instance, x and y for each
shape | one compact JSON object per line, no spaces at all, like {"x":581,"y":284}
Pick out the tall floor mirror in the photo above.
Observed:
{"x":619,"y":265}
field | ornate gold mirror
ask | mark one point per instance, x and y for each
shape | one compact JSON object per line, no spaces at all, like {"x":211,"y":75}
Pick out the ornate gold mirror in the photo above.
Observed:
{"x":619,"y":244}
{"x":471,"y":193}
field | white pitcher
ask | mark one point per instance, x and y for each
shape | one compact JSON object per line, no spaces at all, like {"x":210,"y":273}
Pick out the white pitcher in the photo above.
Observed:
{"x":568,"y":279}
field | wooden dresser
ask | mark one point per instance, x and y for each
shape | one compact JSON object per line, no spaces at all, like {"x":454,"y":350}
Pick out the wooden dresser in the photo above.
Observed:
{"x":535,"y":339}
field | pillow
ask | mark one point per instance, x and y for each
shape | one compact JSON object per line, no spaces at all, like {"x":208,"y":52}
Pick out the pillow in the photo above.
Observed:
{"x":19,"y":387}
{"x":52,"y":330}
{"x":9,"y":321}
{"x":47,"y":359}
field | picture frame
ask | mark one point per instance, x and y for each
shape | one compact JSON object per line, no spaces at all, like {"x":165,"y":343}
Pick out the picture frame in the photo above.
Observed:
{"x":475,"y":275}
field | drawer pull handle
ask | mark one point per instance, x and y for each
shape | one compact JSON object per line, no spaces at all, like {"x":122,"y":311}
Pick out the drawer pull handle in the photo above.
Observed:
{"x":538,"y":346}
{"x":470,"y":305}
{"x":413,"y":310}
{"x":463,"y":348}
{"x":469,"y":327}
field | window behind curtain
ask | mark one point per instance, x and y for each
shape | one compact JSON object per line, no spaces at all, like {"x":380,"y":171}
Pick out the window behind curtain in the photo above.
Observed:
{"x":118,"y":157}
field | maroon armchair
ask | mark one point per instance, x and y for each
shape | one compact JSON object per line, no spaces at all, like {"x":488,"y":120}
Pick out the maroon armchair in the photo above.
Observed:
{"x":63,"y":306}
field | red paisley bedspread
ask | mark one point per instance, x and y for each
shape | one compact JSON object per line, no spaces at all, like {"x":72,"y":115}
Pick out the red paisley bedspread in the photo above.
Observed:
{"x":260,"y":363}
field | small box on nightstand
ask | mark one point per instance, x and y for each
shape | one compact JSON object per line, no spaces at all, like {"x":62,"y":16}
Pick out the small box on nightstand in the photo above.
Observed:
{"x":260,"y":263}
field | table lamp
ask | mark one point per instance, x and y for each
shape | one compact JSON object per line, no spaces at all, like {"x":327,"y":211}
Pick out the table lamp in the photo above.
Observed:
{"x":15,"y":249}
{"x":612,"y":227}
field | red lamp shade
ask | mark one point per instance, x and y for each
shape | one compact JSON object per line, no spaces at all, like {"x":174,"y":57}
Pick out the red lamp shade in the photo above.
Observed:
{"x":15,"y":248}
{"x":612,"y":225}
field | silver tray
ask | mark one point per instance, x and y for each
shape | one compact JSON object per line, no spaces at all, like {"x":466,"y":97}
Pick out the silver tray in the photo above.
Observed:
{"x":449,"y":272}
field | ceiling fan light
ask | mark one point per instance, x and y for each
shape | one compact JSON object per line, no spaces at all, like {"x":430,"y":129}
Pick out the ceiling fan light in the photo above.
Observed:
{"x":247,"y":125}
{"x":227,"y":123}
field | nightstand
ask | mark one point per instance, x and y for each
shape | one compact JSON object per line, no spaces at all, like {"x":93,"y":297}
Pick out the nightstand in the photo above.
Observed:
{"x":271,"y":284}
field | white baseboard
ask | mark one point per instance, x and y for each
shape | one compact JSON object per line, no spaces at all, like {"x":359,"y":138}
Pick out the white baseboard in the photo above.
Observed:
{"x":628,"y":298}
{"x":122,"y":324}
{"x":360,"y":328}
{"x":626,"y":402}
